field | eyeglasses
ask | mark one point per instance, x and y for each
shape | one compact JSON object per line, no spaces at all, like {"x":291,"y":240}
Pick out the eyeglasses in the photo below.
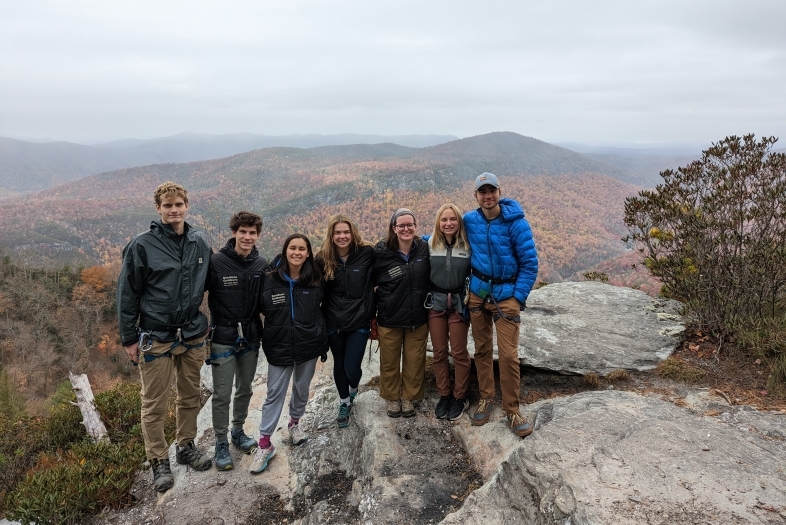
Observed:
{"x":410,"y":226}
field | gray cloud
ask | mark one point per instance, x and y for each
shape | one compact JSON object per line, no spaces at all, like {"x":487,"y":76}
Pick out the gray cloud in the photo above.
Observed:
{"x":607,"y":71}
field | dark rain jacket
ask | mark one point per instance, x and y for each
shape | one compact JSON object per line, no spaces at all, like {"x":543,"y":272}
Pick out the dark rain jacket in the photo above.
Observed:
{"x":402,"y":285}
{"x":235,"y":286}
{"x":294,"y":326}
{"x":162,"y":283}
{"x":349,"y":295}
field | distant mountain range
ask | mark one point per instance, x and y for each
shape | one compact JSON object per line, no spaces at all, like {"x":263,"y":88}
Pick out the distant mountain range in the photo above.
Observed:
{"x":573,"y":203}
{"x":26,"y":167}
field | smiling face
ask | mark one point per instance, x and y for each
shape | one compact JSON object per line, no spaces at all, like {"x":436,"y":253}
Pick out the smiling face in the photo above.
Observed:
{"x":173,"y":212}
{"x":448,"y":224}
{"x":297,"y":253}
{"x":405,"y":228}
{"x":245,"y":238}
{"x":488,"y":197}
{"x":342,"y":237}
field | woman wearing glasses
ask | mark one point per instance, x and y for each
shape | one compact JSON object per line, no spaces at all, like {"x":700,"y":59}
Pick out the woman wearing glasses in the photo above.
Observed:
{"x":449,"y":257}
{"x":401,"y":275}
{"x":346,"y":261}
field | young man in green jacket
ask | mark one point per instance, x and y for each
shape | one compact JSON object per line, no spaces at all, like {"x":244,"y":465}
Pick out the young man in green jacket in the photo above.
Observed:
{"x":159,"y":292}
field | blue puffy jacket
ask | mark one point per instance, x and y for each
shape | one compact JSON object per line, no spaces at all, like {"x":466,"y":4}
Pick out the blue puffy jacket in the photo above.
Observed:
{"x":502,"y":248}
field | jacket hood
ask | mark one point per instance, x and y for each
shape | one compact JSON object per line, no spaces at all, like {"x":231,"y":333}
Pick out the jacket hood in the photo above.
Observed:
{"x":510,"y":210}
{"x":229,"y":249}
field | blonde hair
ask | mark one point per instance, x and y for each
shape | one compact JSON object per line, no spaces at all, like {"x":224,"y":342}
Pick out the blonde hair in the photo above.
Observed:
{"x":460,"y":238}
{"x":169,"y":190}
{"x":327,"y":254}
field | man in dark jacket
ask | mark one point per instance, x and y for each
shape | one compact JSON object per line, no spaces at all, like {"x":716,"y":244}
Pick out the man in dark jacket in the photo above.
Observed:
{"x":159,"y":292}
{"x":504,"y":268}
{"x":235,"y":286}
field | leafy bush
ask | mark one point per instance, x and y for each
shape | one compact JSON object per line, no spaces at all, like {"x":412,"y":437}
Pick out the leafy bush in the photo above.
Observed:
{"x":596,"y":276}
{"x":715,"y":233}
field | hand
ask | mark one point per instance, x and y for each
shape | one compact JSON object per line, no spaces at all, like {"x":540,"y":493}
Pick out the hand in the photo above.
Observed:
{"x":133,"y":352}
{"x":374,"y":330}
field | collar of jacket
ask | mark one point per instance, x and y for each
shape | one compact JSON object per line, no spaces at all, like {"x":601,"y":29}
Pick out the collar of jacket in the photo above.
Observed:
{"x":166,"y":230}
{"x":229,"y":250}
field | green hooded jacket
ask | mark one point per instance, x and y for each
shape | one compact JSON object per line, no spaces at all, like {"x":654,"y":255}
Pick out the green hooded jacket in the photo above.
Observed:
{"x":162,"y":283}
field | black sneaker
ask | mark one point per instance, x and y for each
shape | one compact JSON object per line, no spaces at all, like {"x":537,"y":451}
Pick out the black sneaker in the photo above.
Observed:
{"x":243,"y":441}
{"x":457,"y":408}
{"x":223,"y":459}
{"x":442,"y":407}
{"x":163,"y":479}
{"x":188,"y":454}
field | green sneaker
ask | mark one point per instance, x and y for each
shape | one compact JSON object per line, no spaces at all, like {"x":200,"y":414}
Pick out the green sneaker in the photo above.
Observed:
{"x":343,"y":415}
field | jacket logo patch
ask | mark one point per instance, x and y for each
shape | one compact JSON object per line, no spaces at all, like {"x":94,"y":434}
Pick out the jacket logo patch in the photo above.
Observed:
{"x":395,"y":272}
{"x":463,"y":254}
{"x":278,"y":298}
{"x":305,"y":292}
{"x":230,"y":280}
{"x":200,"y":260}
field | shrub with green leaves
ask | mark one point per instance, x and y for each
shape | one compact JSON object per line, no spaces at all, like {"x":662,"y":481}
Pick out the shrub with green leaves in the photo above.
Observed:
{"x":714,"y":232}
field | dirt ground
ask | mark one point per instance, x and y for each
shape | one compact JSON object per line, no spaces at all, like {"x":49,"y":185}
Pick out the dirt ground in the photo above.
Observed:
{"x":699,"y":364}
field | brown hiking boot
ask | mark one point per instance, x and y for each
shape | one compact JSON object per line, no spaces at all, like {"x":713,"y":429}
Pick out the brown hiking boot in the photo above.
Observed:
{"x":483,"y":413}
{"x":394,"y":408}
{"x":407,"y":408}
{"x":519,"y":425}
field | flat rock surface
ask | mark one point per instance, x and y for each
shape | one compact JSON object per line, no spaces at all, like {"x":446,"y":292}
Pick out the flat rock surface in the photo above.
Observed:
{"x":591,"y":327}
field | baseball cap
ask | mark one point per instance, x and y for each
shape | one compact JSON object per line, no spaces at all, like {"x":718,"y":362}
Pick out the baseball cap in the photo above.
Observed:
{"x":486,"y":179}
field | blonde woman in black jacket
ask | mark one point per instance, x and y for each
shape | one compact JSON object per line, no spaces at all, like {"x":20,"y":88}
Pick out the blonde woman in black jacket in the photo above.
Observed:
{"x":401,"y":277}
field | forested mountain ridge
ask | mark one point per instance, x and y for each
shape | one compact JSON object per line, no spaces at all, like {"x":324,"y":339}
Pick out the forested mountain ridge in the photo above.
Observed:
{"x":26,"y":167}
{"x":575,"y":208}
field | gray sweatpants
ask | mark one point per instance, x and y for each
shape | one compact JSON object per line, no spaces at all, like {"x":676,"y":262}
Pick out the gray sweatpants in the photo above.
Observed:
{"x":226,"y":371}
{"x":277,"y":384}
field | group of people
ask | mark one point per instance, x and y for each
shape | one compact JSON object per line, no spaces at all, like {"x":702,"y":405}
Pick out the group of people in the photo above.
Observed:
{"x":476,"y":270}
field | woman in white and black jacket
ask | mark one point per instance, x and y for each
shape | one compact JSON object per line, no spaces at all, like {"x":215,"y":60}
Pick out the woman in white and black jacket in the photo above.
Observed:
{"x":346,"y":262}
{"x":401,"y":277}
{"x":449,"y":257}
{"x":293,"y":339}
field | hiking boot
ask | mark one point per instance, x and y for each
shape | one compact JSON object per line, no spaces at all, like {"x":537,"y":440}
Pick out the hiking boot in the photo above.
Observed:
{"x":261,"y":458}
{"x":442,"y":407}
{"x":222,"y":457}
{"x":297,"y":435}
{"x":457,"y":408}
{"x":394,"y":408}
{"x":343,"y":415}
{"x":519,"y":425}
{"x":163,"y":479}
{"x":188,"y":454}
{"x":407,"y":408}
{"x":483,"y":413}
{"x":242,"y":441}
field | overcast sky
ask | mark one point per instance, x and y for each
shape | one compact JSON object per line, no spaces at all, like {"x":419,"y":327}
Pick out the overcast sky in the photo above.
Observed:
{"x":600,"y":72}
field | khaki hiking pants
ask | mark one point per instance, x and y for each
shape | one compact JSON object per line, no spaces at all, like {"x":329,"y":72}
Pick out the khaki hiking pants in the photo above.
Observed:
{"x":402,"y":362}
{"x":157,"y":378}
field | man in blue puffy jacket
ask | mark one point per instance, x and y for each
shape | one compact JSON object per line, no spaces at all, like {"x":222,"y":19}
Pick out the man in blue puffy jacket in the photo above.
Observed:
{"x":504,"y":268}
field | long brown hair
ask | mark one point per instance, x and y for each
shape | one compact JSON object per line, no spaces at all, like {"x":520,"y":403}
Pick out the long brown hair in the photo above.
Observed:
{"x":327,"y":254}
{"x":310,"y":274}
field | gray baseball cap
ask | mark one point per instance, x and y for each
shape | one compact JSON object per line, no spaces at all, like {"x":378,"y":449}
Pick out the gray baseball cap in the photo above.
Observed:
{"x":486,"y":179}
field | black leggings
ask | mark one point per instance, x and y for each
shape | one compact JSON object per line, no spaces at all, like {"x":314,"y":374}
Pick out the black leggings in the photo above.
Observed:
{"x":348,"y":349}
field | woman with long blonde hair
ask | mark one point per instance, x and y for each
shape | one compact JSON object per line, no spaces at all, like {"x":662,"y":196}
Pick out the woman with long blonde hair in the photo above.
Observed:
{"x":449,"y":255}
{"x":346,"y":261}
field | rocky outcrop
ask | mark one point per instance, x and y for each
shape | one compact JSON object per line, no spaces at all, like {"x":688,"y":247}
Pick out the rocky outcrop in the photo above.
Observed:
{"x":590,"y":327}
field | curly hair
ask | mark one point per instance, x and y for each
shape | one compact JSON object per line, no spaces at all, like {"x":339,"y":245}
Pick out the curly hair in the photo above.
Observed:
{"x":245,"y":218}
{"x":169,"y":190}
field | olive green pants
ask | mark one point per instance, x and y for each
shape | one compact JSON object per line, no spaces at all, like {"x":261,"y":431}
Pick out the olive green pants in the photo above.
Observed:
{"x":227,"y":370}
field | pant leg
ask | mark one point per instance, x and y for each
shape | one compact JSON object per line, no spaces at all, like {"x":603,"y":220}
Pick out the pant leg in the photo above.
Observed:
{"x":458,"y":329}
{"x":337,"y":344}
{"x":482,"y":326}
{"x":508,"y":348}
{"x":245,"y":371}
{"x":301,"y":383}
{"x":223,"y":370}
{"x":413,"y":367}
{"x":156,"y":378}
{"x":277,"y":384}
{"x":390,"y":340}
{"x":353,"y":360}
{"x":438,"y":329}
{"x":188,"y":365}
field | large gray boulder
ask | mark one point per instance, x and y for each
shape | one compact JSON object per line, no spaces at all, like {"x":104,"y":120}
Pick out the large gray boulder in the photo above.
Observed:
{"x":617,"y":457}
{"x":591,"y":327}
